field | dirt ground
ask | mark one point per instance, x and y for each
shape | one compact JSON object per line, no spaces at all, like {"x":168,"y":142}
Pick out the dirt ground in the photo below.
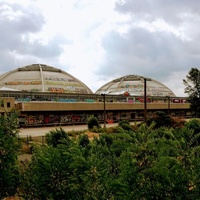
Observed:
{"x":40,"y":131}
{"x":24,"y":157}
{"x":11,"y":198}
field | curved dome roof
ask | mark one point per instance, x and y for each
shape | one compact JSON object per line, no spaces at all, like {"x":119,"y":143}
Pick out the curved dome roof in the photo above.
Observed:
{"x":42,"y":78}
{"x":134,"y":85}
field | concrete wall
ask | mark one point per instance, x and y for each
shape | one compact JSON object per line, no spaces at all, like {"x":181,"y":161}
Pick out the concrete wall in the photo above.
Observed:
{"x":60,"y":106}
{"x":6,"y":104}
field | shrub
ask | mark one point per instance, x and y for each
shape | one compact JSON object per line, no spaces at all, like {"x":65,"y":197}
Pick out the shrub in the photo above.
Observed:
{"x":161,"y":119}
{"x":123,"y":122}
{"x":125,"y":125}
{"x":96,"y":129}
{"x":84,"y":140}
{"x":92,"y":122}
{"x":193,"y":124}
{"x":56,"y":137}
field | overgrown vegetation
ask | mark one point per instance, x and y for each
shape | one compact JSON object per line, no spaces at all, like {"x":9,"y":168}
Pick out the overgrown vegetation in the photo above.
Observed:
{"x":162,"y":119}
{"x":93,"y":123}
{"x":143,"y":161}
{"x":56,"y":137}
{"x":9,"y":145}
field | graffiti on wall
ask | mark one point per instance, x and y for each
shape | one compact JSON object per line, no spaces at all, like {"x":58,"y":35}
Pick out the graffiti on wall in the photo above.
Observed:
{"x":54,"y":119}
{"x":72,"y":118}
{"x":23,"y":83}
{"x":57,"y":90}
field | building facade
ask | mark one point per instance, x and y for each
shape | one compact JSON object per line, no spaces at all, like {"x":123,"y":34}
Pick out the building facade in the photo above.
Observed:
{"x":44,"y":95}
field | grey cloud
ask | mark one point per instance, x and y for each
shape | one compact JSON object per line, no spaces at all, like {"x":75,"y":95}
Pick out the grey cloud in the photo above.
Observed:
{"x":9,"y":61}
{"x":170,"y":10}
{"x":17,"y":23}
{"x":50,"y":50}
{"x":17,"y":18}
{"x":156,"y":54}
{"x":145,"y":53}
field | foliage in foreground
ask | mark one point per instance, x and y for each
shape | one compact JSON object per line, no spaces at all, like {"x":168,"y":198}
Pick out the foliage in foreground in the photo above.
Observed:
{"x":9,"y":145}
{"x":145,"y":163}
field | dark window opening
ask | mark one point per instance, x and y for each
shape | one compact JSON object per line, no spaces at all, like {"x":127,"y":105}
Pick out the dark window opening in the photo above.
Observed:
{"x":8,"y":104}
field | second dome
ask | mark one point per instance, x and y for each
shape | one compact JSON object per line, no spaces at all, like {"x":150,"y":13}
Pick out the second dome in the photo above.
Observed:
{"x":134,"y":85}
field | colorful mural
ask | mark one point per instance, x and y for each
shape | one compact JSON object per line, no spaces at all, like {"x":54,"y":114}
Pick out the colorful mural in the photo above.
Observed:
{"x":31,"y":120}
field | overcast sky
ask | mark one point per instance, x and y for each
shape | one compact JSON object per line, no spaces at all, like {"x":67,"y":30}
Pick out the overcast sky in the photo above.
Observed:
{"x":97,"y":41}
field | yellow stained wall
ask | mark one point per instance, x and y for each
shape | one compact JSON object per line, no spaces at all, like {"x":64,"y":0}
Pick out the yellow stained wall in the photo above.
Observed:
{"x":61,"y":106}
{"x":6,"y":104}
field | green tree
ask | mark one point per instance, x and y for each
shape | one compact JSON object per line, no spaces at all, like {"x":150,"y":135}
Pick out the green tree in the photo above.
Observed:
{"x":194,"y":125}
{"x":84,"y":140}
{"x":146,"y":163}
{"x":161,"y":119}
{"x":92,"y":122}
{"x":159,"y":165}
{"x":125,"y":125}
{"x":55,"y":173}
{"x":56,"y":137}
{"x":192,"y":83}
{"x":9,"y":145}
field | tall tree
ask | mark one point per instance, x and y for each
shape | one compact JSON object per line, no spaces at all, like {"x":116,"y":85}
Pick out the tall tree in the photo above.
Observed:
{"x":192,"y":83}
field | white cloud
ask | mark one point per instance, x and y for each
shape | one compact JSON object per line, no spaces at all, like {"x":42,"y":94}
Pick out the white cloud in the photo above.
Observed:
{"x":97,"y":41}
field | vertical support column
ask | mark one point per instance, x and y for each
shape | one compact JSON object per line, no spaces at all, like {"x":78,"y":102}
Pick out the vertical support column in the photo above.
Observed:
{"x":145,"y":100}
{"x":168,"y":98}
{"x":104,"y":109}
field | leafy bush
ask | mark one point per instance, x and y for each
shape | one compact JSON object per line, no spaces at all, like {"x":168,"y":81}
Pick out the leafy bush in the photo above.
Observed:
{"x":120,"y":123}
{"x":193,"y":124}
{"x":56,"y":137}
{"x":161,"y":119}
{"x":144,"y":164}
{"x":96,"y":129}
{"x":92,"y":122}
{"x":125,"y":125}
{"x":9,"y":145}
{"x":84,"y":140}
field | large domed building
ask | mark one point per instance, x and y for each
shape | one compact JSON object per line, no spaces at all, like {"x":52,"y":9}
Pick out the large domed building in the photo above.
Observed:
{"x":46,"y":95}
{"x":134,"y":85}
{"x":42,"y":78}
